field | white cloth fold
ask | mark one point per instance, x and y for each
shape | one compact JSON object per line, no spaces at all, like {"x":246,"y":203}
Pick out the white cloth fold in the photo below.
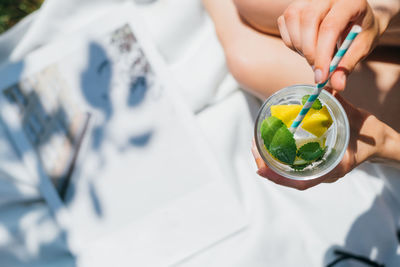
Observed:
{"x":286,"y":227}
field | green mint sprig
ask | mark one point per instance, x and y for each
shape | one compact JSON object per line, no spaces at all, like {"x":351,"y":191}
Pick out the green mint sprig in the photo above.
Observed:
{"x":311,"y":151}
{"x":278,"y":140}
{"x":316,"y":105}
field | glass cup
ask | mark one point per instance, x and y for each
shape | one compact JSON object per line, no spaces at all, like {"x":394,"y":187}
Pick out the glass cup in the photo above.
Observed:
{"x":337,"y":138}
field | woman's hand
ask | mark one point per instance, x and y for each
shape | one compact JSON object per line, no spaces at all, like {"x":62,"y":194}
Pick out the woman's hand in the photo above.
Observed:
{"x":370,"y":139}
{"x":313,"y":28}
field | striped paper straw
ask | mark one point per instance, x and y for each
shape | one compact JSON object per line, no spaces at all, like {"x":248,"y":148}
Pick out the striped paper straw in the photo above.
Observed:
{"x":355,"y":30}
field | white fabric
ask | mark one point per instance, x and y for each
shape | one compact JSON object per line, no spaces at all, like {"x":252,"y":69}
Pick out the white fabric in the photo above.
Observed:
{"x":286,"y":227}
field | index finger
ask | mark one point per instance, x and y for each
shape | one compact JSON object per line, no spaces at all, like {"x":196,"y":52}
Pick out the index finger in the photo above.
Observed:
{"x":335,"y":22}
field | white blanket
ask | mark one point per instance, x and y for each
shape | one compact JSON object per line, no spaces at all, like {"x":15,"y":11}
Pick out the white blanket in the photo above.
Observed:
{"x":358,"y":214}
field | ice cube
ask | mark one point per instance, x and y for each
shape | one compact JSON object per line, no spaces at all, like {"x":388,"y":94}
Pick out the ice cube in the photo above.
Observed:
{"x":302,"y":137}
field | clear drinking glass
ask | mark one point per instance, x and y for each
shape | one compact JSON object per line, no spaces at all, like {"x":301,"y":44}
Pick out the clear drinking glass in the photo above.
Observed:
{"x":337,"y":138}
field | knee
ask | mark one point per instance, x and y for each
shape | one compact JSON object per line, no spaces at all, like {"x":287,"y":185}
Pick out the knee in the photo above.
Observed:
{"x":262,"y":15}
{"x":248,"y":11}
{"x":246,"y":6}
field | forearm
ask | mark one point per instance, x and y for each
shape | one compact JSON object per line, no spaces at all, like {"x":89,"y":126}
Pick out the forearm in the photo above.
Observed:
{"x":376,"y":141}
{"x":389,"y":150}
{"x":370,"y":138}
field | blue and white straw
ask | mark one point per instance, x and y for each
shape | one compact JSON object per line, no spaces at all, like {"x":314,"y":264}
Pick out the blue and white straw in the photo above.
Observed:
{"x":355,"y":30}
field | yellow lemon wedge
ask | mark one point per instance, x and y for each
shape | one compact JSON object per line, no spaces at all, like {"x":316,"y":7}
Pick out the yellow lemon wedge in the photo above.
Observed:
{"x":286,"y":113}
{"x":316,"y":122}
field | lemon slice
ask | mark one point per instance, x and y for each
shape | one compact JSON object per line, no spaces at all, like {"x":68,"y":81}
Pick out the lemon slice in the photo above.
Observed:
{"x":316,"y":122}
{"x":286,"y":113}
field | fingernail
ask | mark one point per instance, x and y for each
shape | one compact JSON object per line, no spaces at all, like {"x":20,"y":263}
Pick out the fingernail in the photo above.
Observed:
{"x":318,"y":76}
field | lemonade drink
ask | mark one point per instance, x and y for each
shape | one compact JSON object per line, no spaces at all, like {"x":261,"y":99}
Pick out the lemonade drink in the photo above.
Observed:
{"x":315,"y":148}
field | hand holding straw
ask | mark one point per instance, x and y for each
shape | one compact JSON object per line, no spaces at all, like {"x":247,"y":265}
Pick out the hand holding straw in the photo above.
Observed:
{"x":355,"y":30}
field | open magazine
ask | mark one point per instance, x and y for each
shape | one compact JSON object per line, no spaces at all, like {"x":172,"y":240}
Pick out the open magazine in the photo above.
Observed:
{"x":97,"y":120}
{"x":52,"y":119}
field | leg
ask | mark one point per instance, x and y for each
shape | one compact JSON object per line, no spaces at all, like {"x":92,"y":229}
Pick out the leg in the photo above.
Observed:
{"x":260,"y":63}
{"x":262,"y":14}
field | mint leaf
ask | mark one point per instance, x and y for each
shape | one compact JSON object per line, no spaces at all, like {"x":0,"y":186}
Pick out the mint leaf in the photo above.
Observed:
{"x":268,"y":129}
{"x":311,"y":151}
{"x":316,"y":105}
{"x":283,"y":145}
{"x":278,"y":140}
